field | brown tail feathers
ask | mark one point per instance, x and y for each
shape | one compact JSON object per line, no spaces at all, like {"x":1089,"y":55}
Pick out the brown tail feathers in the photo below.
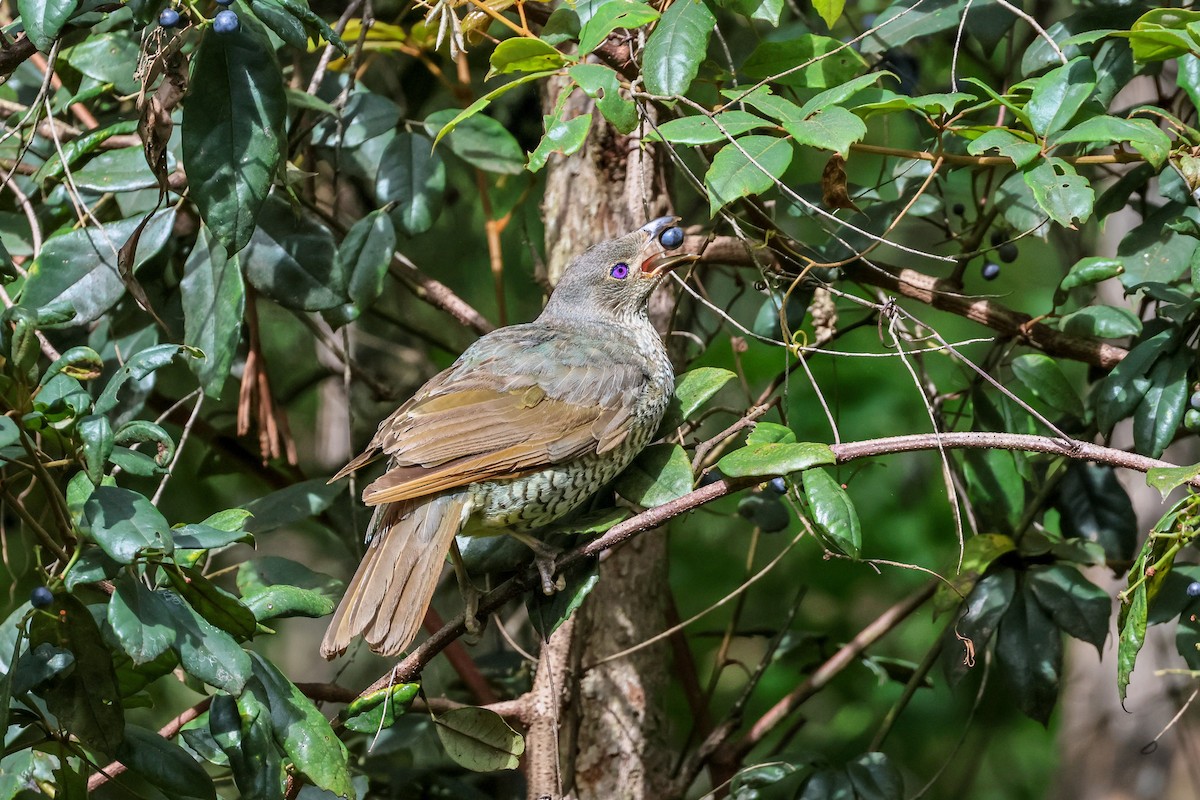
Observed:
{"x":388,"y":595}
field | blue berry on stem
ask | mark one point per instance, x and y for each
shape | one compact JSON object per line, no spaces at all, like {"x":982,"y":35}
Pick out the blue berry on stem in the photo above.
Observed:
{"x":1008,"y":252}
{"x":671,"y":238}
{"x":1194,"y":400}
{"x":226,"y":21}
{"x":1193,"y":589}
{"x":991,"y":271}
{"x":169,"y":18}
{"x":41,"y":597}
{"x":777,"y":485}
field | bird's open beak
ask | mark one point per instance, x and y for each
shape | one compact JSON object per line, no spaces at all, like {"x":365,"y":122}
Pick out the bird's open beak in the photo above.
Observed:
{"x":654,"y":259}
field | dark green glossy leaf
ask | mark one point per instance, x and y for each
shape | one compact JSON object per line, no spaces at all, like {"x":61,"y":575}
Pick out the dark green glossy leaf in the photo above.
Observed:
{"x":411,"y":175}
{"x":770,"y":433}
{"x":984,"y":607}
{"x":233,"y":124}
{"x":1008,"y":143}
{"x":676,"y":47}
{"x":561,"y":136}
{"x":213,"y":603}
{"x":1059,"y":95}
{"x":365,"y":116}
{"x":1090,"y":271}
{"x":206,"y":652}
{"x":164,"y":765}
{"x":136,"y":368}
{"x":875,"y":778}
{"x":480,"y":141}
{"x":108,"y":58}
{"x":765,"y":512}
{"x":833,"y":512}
{"x":292,"y":259}
{"x":745,"y":167}
{"x":291,"y":504}
{"x":379,"y":710}
{"x":140,"y":431}
{"x":243,"y":731}
{"x":1029,"y":654}
{"x":44,"y":19}
{"x":1078,"y":606}
{"x":72,"y":151}
{"x":281,"y":23}
{"x":1060,"y":191}
{"x":92,"y":566}
{"x":479,"y":739}
{"x":124,"y":523}
{"x":996,"y":488}
{"x":546,"y":613}
{"x":1122,"y":390}
{"x":775,"y":459}
{"x":1046,"y":380}
{"x":34,"y":668}
{"x":1166,"y":479}
{"x":365,"y":255}
{"x":81,"y":363}
{"x":1141,"y":134}
{"x":10,"y":434}
{"x":693,"y":389}
{"x":96,"y":440}
{"x":140,"y":618}
{"x":1102,"y":322}
{"x":828,"y":784}
{"x":1093,"y":505}
{"x":301,"y":730}
{"x":1158,"y":416}
{"x":85,"y":700}
{"x":79,"y":268}
{"x":659,"y":475}
{"x":214,"y":299}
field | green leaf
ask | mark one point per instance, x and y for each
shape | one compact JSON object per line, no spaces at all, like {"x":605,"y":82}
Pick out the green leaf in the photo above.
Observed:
{"x":214,"y":299}
{"x":379,"y":710}
{"x":300,"y":10}
{"x":1102,"y":322}
{"x":276,"y":587}
{"x":73,"y":150}
{"x":123,"y":170}
{"x":1159,"y":34}
{"x":292,"y":259}
{"x":828,"y":784}
{"x":833,"y":512}
{"x":1122,"y":390}
{"x":546,"y":613}
{"x":833,"y":128}
{"x":85,"y":700}
{"x":1090,"y":271}
{"x":206,"y":652}
{"x":281,"y":23}
{"x":140,"y":618}
{"x":1029,"y":653}
{"x":301,"y":730}
{"x":1046,"y":380}
{"x":480,"y":141}
{"x":1131,"y":637}
{"x":770,"y":433}
{"x":1059,"y":95}
{"x":164,"y":765}
{"x":778,"y":61}
{"x":931,"y":105}
{"x":44,"y":19}
{"x":233,"y":123}
{"x":199,"y":536}
{"x":902,"y":22}
{"x":96,"y":440}
{"x":10,"y":434}
{"x":365,"y":116}
{"x":412,"y":176}
{"x":659,"y":475}
{"x":1010,"y":145}
{"x":996,"y":488}
{"x":482,"y":103}
{"x":696,"y":387}
{"x":365,"y":255}
{"x":610,"y":16}
{"x":79,"y":268}
{"x":875,"y":778}
{"x":136,"y":368}
{"x":35,"y":668}
{"x":1060,"y":191}
{"x":979,"y":552}
{"x":775,"y":459}
{"x":746,"y":167}
{"x":1093,"y":505}
{"x":706,"y":130}
{"x":603,"y":84}
{"x":81,"y":363}
{"x":829,"y":10}
{"x":1143,"y":135}
{"x":243,"y":731}
{"x":479,"y":739}
{"x":562,"y":136}
{"x":140,"y":431}
{"x":1158,"y":416}
{"x":521,"y":54}
{"x":1167,"y":479}
{"x":676,"y":47}
{"x":1078,"y":606}
{"x":213,"y":603}
{"x":290,"y":504}
{"x":124,"y":523}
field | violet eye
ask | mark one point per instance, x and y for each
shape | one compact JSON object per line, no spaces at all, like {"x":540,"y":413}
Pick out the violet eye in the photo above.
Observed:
{"x":620,"y":271}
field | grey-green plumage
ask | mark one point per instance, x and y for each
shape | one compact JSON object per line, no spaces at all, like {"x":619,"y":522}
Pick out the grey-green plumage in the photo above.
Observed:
{"x":528,"y":423}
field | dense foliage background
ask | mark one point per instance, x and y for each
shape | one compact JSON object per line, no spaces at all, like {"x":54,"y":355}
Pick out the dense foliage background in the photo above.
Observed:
{"x":231,"y":246}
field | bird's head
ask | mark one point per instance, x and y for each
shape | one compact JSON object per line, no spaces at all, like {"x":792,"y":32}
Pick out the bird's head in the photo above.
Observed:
{"x":615,"y":278}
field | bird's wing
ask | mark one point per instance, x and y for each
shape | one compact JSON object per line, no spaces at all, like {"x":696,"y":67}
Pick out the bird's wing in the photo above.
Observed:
{"x":502,"y":412}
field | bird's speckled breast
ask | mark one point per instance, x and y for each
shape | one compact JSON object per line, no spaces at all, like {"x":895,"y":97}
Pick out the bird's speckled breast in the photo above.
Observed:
{"x":534,"y":501}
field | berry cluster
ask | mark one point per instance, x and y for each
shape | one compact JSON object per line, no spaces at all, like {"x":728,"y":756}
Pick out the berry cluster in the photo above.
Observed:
{"x":226,"y":20}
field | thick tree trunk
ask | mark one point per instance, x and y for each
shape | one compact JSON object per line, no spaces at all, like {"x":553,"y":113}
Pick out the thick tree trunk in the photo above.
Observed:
{"x":611,"y":721}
